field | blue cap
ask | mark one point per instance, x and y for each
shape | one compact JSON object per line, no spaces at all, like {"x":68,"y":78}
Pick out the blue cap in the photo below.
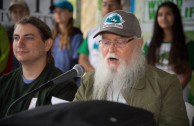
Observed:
{"x":64,"y":4}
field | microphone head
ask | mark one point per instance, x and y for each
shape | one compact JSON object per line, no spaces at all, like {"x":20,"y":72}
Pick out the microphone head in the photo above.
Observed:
{"x":79,"y":69}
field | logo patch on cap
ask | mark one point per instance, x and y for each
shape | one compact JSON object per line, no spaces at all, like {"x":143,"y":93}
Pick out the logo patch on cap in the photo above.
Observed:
{"x":114,"y":20}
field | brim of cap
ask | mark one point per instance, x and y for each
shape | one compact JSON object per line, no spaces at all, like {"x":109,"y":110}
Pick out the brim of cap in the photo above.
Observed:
{"x":58,"y":5}
{"x":16,"y":4}
{"x":52,"y":7}
{"x":115,"y":31}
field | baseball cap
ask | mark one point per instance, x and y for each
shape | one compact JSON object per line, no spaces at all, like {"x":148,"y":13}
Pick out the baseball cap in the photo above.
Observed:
{"x":18,"y":2}
{"x":63,"y":4}
{"x":121,"y":23}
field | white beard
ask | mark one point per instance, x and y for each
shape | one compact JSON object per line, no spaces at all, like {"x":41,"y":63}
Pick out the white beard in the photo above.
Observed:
{"x":126,"y":74}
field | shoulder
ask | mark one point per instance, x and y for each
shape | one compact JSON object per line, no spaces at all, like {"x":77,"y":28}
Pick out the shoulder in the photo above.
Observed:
{"x":11,"y":76}
{"x":85,"y":90}
{"x":55,"y":71}
{"x":158,"y":73}
{"x":89,"y":76}
{"x":168,"y":92}
{"x":93,"y":31}
{"x":76,"y":31}
{"x":87,"y":79}
{"x":77,"y":34}
{"x":160,"y":77}
{"x":162,"y":81}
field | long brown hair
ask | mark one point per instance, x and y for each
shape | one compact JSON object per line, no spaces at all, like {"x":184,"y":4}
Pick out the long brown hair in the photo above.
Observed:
{"x":44,"y":30}
{"x":178,"y":57}
{"x":66,"y":36}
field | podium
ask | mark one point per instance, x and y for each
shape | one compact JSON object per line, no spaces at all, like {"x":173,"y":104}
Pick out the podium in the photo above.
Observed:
{"x":83,"y":113}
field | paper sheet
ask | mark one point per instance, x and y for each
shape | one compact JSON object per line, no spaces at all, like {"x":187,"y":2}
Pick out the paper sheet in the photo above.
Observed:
{"x":55,"y":100}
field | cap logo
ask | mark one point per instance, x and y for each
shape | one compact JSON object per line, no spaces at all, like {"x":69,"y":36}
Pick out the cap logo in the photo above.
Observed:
{"x":114,"y":20}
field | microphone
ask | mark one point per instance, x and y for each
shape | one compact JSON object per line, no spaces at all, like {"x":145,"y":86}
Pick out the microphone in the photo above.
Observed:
{"x":76,"y":71}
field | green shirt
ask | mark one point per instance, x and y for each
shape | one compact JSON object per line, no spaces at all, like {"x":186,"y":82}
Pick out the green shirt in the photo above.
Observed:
{"x":12,"y":87}
{"x":163,"y":59}
{"x":83,"y":49}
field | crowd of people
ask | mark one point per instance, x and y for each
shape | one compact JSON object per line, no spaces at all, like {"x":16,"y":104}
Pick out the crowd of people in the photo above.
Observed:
{"x":120,"y":67}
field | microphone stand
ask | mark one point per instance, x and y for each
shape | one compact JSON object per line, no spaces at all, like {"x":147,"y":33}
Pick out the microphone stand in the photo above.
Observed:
{"x":43,"y":86}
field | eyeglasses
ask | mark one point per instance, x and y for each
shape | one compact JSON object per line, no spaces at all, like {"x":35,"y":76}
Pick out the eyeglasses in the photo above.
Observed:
{"x":119,"y":43}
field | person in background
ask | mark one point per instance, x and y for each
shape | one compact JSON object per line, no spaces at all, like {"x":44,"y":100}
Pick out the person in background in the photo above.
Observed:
{"x":4,"y":48}
{"x":89,"y":49}
{"x":169,"y":48}
{"x":32,"y":48}
{"x":122,"y":74}
{"x":17,"y":9}
{"x":67,"y":38}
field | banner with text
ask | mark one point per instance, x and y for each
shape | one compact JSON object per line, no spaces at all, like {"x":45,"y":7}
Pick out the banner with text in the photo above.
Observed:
{"x":146,"y":10}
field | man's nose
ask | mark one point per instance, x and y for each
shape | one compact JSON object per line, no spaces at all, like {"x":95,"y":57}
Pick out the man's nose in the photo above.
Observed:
{"x":19,"y":13}
{"x":20,"y":43}
{"x":112,"y":47}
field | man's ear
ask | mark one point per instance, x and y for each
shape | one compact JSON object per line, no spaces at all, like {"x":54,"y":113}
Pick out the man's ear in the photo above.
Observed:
{"x":141,"y":41}
{"x":48,"y":44}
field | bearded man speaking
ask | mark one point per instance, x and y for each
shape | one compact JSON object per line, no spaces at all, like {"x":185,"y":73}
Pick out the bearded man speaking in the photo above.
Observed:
{"x":122,"y":74}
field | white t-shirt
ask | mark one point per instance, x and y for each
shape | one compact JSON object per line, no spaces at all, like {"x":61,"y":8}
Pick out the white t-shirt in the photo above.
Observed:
{"x":93,"y":46}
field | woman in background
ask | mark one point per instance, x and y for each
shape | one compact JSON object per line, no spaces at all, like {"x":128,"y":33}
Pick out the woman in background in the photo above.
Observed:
{"x":67,"y":38}
{"x":169,"y":49}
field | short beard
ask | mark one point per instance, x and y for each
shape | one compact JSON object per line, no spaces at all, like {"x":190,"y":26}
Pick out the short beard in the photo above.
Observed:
{"x":127,"y":74}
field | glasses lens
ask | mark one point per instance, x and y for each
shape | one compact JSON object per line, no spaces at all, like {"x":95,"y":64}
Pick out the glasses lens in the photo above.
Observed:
{"x":105,"y":43}
{"x":120,"y":43}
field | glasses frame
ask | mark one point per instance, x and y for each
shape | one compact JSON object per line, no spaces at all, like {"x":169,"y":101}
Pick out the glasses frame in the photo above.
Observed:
{"x":125,"y":42}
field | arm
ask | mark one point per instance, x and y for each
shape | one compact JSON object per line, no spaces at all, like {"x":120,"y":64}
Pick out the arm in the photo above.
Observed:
{"x":173,"y":110}
{"x":83,"y":60}
{"x":184,"y":80}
